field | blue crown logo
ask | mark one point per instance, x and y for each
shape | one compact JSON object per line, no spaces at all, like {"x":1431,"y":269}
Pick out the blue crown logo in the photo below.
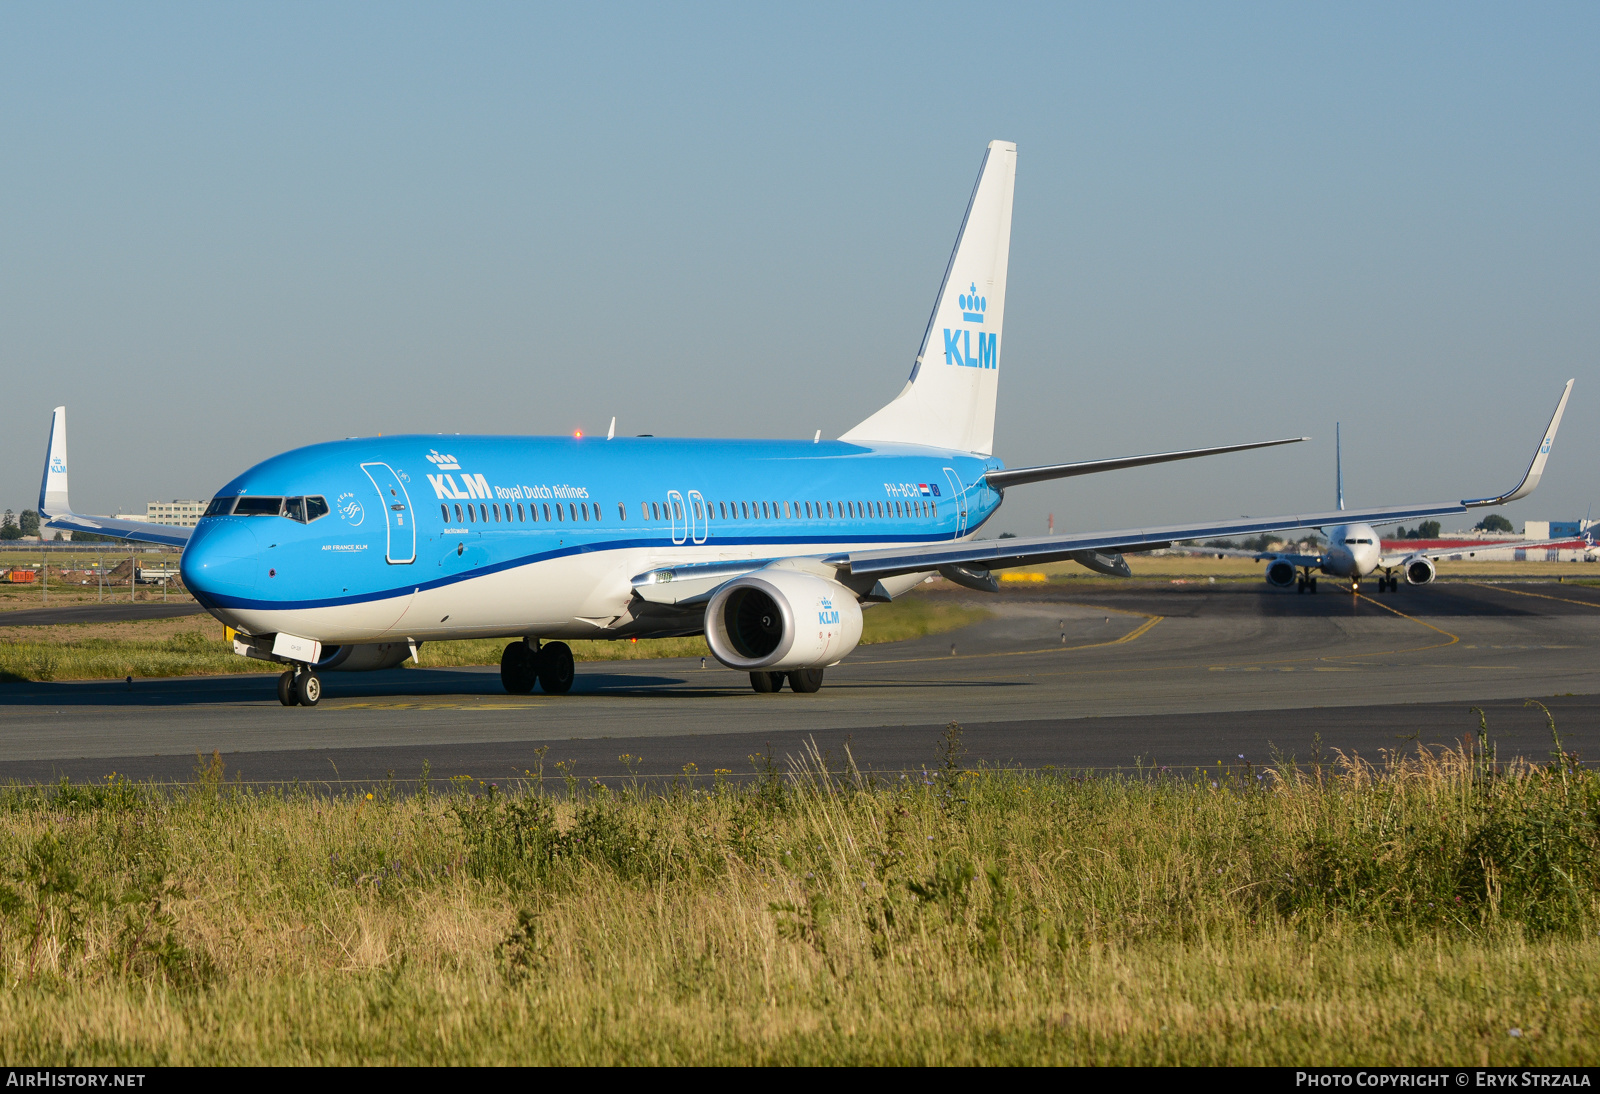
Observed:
{"x":972,"y":305}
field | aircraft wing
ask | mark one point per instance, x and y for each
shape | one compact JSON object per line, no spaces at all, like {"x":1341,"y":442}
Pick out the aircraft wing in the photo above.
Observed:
{"x":1035,"y":550}
{"x":996,"y":554}
{"x":1487,"y":545}
{"x":1258,"y":556}
{"x":56,"y":511}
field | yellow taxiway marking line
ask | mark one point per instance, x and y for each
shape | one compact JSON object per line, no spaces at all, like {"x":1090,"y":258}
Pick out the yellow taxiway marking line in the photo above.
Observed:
{"x":1132,"y":635}
{"x":1541,"y":596}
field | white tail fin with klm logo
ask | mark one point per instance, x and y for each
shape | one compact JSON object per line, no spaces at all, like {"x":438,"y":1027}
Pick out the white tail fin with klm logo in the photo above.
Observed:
{"x":949,"y":400}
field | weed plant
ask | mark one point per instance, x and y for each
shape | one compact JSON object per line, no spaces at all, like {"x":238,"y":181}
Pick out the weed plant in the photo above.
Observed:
{"x":1437,"y":907}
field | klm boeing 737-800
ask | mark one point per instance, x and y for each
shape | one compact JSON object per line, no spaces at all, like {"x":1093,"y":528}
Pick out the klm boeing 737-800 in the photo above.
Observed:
{"x":349,"y":555}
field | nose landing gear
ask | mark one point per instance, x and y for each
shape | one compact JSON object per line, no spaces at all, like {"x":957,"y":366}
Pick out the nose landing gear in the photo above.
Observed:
{"x":299,"y":687}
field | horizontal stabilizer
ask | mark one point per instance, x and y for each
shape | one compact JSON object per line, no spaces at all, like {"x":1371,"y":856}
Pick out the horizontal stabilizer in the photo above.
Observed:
{"x":1018,"y":476}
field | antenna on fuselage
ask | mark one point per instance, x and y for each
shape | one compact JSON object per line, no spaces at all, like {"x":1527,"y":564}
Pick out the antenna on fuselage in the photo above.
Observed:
{"x":1338,"y":468}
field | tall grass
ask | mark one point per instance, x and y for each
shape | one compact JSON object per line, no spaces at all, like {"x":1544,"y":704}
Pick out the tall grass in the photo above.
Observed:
{"x":1414,"y":911}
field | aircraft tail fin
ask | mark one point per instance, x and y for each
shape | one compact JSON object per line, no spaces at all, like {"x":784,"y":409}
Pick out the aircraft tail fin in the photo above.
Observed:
{"x":53,"y":487}
{"x":55,"y":510}
{"x":949,"y":400}
{"x":1338,"y":468}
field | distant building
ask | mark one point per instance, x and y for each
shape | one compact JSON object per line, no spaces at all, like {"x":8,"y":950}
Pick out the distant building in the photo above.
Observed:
{"x":183,"y":514}
{"x":1555,"y":529}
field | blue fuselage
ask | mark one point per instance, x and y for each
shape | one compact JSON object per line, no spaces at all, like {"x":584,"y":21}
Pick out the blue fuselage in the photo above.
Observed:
{"x":451,"y":536}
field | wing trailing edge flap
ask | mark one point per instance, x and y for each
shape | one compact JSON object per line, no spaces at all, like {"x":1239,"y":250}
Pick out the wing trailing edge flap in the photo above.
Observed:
{"x":56,"y":511}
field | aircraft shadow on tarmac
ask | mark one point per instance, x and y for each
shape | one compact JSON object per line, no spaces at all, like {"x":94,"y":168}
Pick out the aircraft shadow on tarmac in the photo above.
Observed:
{"x":179,"y":691}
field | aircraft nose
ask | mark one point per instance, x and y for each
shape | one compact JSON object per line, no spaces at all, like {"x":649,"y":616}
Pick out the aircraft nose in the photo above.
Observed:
{"x":222,"y":556}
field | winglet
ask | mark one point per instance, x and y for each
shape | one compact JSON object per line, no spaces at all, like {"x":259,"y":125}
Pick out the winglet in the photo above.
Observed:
{"x":1530,"y":481}
{"x":53,"y":487}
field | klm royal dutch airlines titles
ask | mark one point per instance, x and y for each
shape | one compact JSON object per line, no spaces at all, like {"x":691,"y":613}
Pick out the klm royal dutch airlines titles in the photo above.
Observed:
{"x":353,"y":554}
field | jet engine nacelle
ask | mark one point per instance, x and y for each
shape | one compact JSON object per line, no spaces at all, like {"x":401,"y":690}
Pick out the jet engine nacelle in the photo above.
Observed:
{"x":1419,"y":570}
{"x":782,"y":619}
{"x":1280,"y":573}
{"x":367,"y":657}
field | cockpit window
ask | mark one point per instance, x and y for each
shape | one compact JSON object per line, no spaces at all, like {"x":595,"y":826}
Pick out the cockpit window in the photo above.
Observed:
{"x":1358,"y":541}
{"x":303,"y":509}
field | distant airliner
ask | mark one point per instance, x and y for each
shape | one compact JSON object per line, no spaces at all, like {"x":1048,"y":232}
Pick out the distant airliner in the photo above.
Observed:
{"x":1355,"y":551}
{"x":335,"y":556}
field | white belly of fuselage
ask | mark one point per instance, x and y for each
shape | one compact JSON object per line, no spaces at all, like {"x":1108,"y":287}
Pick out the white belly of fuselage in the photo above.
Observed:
{"x":585,"y":595}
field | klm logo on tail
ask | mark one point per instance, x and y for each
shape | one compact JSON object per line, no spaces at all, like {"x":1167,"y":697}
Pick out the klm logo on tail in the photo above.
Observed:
{"x":958,"y":343}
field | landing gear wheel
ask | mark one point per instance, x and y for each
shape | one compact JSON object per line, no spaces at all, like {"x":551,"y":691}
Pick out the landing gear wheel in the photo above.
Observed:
{"x":307,"y":688}
{"x":286,"y":688}
{"x":805,"y":681}
{"x":518,"y":669}
{"x":1311,"y":584}
{"x":1300,"y":586}
{"x":556,"y":670}
{"x":766,"y":682}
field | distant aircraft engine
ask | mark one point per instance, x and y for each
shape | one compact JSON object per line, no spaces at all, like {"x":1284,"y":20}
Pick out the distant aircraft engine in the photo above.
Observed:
{"x":363,"y":658}
{"x":782,"y":619}
{"x":1419,"y":570}
{"x":1280,"y":573}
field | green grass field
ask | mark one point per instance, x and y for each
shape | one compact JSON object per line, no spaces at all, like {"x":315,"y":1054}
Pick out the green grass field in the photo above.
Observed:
{"x":1437,"y":909}
{"x":194,"y":647}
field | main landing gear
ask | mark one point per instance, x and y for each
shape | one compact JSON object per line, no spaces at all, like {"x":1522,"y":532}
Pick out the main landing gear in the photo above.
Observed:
{"x":1388,"y":582}
{"x":549,"y":665}
{"x":1306,"y":584}
{"x":299,"y":687}
{"x":803,"y":681}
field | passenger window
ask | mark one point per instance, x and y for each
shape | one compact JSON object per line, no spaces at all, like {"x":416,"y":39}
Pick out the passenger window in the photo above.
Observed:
{"x":547,"y":512}
{"x":622,"y":512}
{"x":458,"y":515}
{"x":497,"y":513}
{"x":471,"y":516}
{"x":677,"y":511}
{"x":655,"y":512}
{"x":483,"y":511}
{"x":934,"y":506}
{"x":585,"y":507}
{"x":444,"y":512}
{"x":763,"y":510}
{"x":559,"y":514}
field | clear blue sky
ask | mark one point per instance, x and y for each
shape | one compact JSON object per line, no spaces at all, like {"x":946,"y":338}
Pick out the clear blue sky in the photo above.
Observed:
{"x":227,"y":230}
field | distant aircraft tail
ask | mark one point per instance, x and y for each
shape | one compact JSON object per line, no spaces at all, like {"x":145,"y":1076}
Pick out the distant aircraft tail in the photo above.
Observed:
{"x":949,"y":400}
{"x":53,"y":487}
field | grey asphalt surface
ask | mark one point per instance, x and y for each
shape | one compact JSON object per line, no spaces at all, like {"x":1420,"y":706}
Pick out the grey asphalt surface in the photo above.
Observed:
{"x":107,"y":612}
{"x":1176,"y":675}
